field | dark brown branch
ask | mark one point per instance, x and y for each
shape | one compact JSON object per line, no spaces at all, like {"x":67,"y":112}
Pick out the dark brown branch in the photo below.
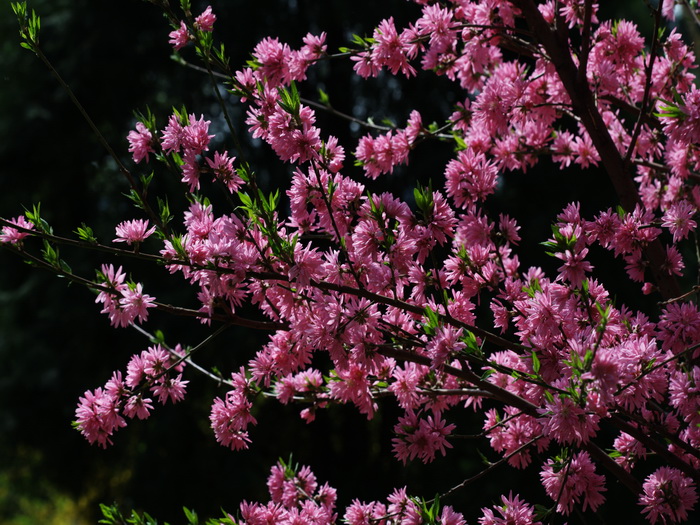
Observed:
{"x":556,"y":45}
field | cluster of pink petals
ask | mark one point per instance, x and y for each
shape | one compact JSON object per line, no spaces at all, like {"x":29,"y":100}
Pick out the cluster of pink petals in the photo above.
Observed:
{"x":140,"y":142}
{"x":231,"y":415}
{"x":181,"y":36}
{"x":668,"y":496}
{"x":295,"y":497}
{"x":188,"y":137}
{"x":421,"y":437}
{"x":101,"y":412}
{"x":392,"y":294}
{"x":381,"y":154}
{"x":13,"y":235}
{"x":134,"y":231}
{"x":514,"y":511}
{"x":279,"y":65}
{"x":124,"y":302}
{"x":389,"y":50}
{"x":575,"y":482}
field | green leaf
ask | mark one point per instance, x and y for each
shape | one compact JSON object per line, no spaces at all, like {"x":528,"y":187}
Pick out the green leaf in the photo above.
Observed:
{"x":164,"y":211}
{"x":63,"y":265}
{"x":424,"y":198}
{"x":34,"y":217}
{"x":548,"y":395}
{"x":49,"y":253}
{"x":135,"y":197}
{"x":19,"y":8}
{"x":323,"y":98}
{"x":461,"y":143}
{"x":191,"y":515}
{"x":158,"y":337}
{"x":34,"y":26}
{"x":86,"y":234}
{"x":535,"y":362}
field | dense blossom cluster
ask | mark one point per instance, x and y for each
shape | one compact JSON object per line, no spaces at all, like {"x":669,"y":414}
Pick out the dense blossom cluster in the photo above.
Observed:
{"x":394,"y":293}
{"x":100,"y":413}
{"x":124,"y":302}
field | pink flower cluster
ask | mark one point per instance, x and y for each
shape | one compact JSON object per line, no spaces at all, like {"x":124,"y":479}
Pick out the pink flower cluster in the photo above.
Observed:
{"x":388,"y":50}
{"x":181,"y":36}
{"x":134,"y":231}
{"x":101,"y":412}
{"x":187,"y":137}
{"x":574,"y":482}
{"x":380,"y":155}
{"x":296,"y":497}
{"x":668,"y":496}
{"x":123,"y":302}
{"x":12,"y":235}
{"x":390,"y":294}
{"x":231,"y":416}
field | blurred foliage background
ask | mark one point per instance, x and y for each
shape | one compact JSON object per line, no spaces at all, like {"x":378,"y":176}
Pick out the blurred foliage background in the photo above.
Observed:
{"x":54,"y":344}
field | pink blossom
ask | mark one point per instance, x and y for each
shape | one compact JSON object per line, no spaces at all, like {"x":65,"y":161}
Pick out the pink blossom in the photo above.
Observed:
{"x":630,"y":449}
{"x":678,"y":218}
{"x":195,"y":136}
{"x":685,"y":127}
{"x":172,"y":388}
{"x":470,"y":178}
{"x":172,"y":135}
{"x":222,"y":166}
{"x":140,"y":142}
{"x":206,"y":20}
{"x":98,"y":417}
{"x":573,"y":12}
{"x":274,"y":60}
{"x":12,"y":235}
{"x":314,"y":46}
{"x":359,"y":513}
{"x":567,"y":422}
{"x":229,"y":418}
{"x":421,"y":438}
{"x":444,"y":344}
{"x":449,"y":516}
{"x":668,"y":496}
{"x":575,"y":482}
{"x":137,"y":405}
{"x":179,"y":37}
{"x":134,"y":231}
{"x":134,"y":304}
{"x":390,"y":49}
{"x":514,"y":511}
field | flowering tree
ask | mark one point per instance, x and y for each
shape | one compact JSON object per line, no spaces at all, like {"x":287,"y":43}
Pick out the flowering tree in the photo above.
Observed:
{"x":369,"y":299}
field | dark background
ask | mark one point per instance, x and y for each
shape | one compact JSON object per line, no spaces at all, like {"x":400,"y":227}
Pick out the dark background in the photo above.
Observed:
{"x":54,"y":344}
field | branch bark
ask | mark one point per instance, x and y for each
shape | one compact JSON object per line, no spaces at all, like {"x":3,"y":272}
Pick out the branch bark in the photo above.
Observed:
{"x":557,"y":47}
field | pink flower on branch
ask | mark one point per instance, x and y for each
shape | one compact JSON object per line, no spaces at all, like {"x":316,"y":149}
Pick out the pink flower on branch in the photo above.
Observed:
{"x":12,"y":235}
{"x":179,"y":37}
{"x":134,"y":231}
{"x":140,"y":142}
{"x":574,"y":482}
{"x":375,"y":298}
{"x":205,"y":21}
{"x":668,"y":496}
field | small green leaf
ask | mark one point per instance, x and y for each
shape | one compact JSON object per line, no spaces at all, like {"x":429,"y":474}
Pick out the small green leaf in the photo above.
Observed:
{"x":86,"y":234}
{"x":323,"y":98}
{"x":191,"y":515}
{"x":535,"y":362}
